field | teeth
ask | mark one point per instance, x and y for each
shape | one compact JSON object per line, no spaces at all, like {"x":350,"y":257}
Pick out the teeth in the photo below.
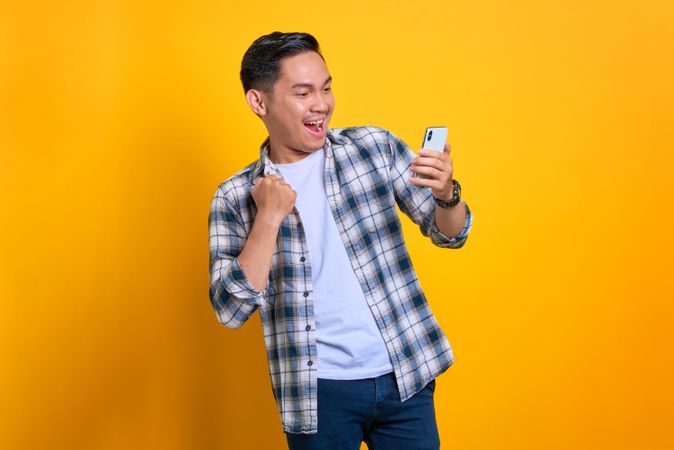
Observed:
{"x":315,"y":122}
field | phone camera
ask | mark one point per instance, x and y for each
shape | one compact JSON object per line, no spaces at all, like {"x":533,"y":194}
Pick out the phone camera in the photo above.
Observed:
{"x":430,"y":135}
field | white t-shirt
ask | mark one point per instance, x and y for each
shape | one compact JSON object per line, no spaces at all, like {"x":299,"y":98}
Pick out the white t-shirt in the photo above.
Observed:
{"x":349,"y":343}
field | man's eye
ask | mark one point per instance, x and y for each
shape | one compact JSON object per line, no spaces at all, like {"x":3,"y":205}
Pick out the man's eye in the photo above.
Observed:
{"x":326,"y":89}
{"x":302,"y":94}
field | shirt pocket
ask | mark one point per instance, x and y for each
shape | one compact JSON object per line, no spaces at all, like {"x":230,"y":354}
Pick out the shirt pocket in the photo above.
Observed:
{"x":378,"y":212}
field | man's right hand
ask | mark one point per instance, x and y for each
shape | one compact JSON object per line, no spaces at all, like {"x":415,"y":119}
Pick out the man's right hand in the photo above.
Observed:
{"x":274,"y":198}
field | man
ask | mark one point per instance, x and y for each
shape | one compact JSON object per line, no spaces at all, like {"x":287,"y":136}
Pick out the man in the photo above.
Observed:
{"x":309,"y":235}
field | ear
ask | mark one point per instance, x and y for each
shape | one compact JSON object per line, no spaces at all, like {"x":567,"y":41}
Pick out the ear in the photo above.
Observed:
{"x":257,"y":101}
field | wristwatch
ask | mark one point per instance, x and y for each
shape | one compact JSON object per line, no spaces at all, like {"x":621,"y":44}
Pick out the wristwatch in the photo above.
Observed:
{"x":456,"y":197}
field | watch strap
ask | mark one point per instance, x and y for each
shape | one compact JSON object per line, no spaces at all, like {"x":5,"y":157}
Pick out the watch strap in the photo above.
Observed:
{"x":456,"y":197}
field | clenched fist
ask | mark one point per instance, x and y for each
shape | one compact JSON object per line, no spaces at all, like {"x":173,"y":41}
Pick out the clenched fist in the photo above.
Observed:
{"x":274,"y":198}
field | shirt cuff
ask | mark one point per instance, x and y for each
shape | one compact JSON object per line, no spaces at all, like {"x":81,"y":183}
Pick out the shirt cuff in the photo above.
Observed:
{"x":442,"y":240}
{"x":235,"y":282}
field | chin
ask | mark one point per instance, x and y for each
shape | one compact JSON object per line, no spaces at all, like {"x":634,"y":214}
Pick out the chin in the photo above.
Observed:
{"x":314,"y":145}
{"x":318,"y":147}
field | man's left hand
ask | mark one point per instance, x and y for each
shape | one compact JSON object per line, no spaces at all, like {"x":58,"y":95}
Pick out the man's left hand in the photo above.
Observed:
{"x":437,"y":166}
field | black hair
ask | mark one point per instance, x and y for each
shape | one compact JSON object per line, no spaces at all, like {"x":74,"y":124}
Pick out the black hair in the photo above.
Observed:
{"x":261,"y":64}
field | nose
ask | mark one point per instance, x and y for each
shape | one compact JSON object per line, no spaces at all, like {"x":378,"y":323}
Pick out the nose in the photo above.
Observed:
{"x":320,"y":103}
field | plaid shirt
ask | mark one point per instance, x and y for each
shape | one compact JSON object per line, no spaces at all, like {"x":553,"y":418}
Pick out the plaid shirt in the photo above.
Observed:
{"x":366,"y":175}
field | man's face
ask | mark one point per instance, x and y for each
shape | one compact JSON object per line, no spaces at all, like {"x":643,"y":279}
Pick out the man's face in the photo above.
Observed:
{"x":301,"y":106}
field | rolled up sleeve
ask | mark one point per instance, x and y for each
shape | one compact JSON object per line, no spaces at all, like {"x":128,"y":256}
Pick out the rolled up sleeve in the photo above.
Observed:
{"x":232,"y":295}
{"x":441,"y":240}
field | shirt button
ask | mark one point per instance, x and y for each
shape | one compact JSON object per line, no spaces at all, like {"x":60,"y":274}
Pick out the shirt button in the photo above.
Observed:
{"x":308,"y":327}
{"x":310,"y":363}
{"x":303,"y":259}
{"x":306,"y":294}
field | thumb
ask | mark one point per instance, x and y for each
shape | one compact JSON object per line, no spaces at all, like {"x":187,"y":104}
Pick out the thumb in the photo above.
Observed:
{"x":448,"y":148}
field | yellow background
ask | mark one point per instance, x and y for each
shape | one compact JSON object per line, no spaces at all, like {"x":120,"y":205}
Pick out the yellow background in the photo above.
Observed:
{"x":118,"y":120}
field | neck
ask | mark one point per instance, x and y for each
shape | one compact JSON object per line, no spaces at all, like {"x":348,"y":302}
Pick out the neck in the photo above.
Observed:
{"x":280,"y":154}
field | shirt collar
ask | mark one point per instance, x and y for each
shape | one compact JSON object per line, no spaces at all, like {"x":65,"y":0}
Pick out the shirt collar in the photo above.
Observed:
{"x":265,"y":167}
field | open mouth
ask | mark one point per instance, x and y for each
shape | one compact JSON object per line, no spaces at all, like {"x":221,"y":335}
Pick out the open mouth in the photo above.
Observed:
{"x":315,"y":127}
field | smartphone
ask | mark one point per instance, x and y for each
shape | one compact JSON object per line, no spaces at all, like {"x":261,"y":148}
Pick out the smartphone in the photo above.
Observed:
{"x":434,"y":139}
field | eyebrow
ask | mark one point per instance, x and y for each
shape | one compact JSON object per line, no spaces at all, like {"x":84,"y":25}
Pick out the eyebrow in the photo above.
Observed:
{"x":296,"y":85}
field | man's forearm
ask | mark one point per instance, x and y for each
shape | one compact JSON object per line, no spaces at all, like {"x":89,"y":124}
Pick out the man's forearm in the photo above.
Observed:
{"x":256,"y":254}
{"x":450,"y":221}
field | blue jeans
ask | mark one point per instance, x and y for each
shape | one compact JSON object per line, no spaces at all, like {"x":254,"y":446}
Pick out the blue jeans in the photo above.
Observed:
{"x":352,"y":411}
